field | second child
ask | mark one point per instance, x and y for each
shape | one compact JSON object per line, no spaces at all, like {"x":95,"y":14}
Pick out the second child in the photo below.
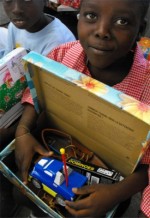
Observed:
{"x":32,"y":29}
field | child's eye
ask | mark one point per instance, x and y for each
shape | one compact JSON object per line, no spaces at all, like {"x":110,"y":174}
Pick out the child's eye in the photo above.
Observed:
{"x":122,"y":22}
{"x":91,"y":16}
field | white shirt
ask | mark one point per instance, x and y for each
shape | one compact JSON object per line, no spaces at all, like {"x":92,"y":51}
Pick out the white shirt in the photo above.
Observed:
{"x":3,"y":40}
{"x":43,"y":41}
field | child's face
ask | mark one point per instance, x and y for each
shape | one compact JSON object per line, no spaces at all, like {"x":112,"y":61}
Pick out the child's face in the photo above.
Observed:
{"x":25,"y":14}
{"x":108,"y":29}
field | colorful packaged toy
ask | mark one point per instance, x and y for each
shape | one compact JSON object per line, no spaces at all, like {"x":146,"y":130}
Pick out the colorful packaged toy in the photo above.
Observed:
{"x":48,"y":174}
{"x":145,"y":46}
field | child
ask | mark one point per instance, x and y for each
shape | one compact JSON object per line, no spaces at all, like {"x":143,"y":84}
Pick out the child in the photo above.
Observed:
{"x":32,"y":29}
{"x":3,"y":40}
{"x":107,"y":51}
{"x":108,"y":31}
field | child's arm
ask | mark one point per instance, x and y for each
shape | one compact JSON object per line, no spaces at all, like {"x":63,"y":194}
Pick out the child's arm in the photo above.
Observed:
{"x":26,"y":144}
{"x":103,"y":197}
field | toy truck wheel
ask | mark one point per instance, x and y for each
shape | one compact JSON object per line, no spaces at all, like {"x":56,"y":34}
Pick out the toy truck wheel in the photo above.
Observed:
{"x":60,"y":200}
{"x":36,"y":183}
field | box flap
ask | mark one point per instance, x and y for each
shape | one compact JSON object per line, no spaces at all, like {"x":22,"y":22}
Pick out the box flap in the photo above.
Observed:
{"x":115,"y":126}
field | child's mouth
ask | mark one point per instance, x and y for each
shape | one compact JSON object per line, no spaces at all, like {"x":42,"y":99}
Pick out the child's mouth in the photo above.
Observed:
{"x":100,"y":51}
{"x":18,"y":22}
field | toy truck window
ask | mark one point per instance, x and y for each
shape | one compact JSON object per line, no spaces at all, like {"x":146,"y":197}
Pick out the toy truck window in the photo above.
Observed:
{"x":42,"y":162}
{"x":48,"y":173}
{"x":48,"y":164}
{"x":69,"y":170}
{"x":59,"y":179}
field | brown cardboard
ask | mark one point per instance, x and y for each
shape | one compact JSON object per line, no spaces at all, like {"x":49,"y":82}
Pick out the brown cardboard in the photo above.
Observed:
{"x":99,"y":122}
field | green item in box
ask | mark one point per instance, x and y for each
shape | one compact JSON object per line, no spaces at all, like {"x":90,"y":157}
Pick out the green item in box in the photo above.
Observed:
{"x":11,"y":95}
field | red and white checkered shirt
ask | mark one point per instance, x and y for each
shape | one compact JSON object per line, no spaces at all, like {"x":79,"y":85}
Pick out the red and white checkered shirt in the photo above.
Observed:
{"x":145,"y":203}
{"x":135,"y":84}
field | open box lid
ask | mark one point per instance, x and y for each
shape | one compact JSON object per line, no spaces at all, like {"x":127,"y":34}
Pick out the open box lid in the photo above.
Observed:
{"x":115,"y":126}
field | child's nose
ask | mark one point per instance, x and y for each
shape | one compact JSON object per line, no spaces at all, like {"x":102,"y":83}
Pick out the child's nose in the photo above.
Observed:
{"x":103,"y":30}
{"x":17,"y":6}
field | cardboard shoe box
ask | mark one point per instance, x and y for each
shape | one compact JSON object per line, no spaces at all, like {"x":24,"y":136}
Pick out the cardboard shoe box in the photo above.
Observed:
{"x":42,"y":199}
{"x":100,"y":117}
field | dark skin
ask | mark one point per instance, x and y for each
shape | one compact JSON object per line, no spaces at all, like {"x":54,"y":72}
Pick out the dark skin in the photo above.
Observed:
{"x":27,"y":145}
{"x":101,"y":198}
{"x":107,"y":31}
{"x":27,"y":15}
{"x":107,"y":79}
{"x":107,"y":37}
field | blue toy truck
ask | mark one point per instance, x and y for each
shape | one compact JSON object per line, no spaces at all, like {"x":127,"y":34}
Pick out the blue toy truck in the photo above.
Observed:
{"x":48,"y":174}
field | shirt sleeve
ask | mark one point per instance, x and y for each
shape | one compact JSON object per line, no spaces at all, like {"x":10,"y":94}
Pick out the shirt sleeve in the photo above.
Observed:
{"x":146,"y":157}
{"x":10,"y":39}
{"x":59,"y":52}
{"x":146,"y":86}
{"x":54,"y":54}
{"x":145,"y":203}
{"x":27,"y":98}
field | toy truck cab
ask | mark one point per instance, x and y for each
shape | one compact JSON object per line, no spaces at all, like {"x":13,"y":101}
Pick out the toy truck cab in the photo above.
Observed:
{"x":48,"y":174}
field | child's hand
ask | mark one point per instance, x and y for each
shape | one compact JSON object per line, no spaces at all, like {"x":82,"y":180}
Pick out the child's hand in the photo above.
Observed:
{"x":100,"y":199}
{"x":26,"y":146}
